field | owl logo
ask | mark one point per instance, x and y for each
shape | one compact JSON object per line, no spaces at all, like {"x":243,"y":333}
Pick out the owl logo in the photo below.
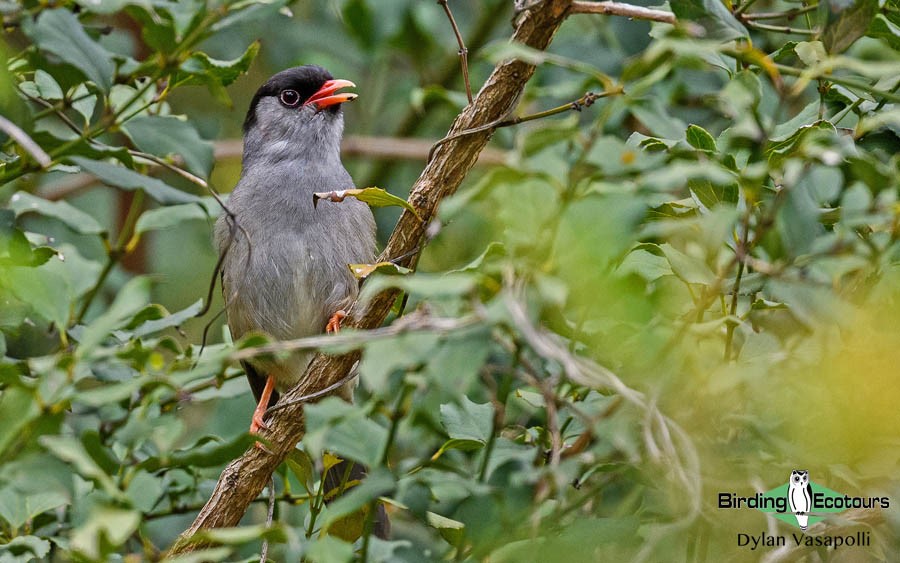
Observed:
{"x":800,"y":496}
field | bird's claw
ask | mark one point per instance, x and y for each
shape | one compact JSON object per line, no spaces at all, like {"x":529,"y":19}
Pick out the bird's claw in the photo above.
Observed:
{"x":334,"y":323}
{"x":257,"y":423}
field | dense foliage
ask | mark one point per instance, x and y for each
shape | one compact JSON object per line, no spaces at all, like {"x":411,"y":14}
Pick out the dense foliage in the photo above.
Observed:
{"x":690,"y":286}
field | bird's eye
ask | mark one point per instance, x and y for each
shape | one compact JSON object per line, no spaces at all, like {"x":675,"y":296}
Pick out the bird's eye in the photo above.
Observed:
{"x":290,"y":98}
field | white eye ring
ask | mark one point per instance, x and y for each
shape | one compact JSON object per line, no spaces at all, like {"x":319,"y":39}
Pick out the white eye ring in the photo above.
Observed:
{"x":290,"y":98}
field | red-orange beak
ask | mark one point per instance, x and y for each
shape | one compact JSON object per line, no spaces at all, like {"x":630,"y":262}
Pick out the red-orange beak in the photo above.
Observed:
{"x":326,"y":95}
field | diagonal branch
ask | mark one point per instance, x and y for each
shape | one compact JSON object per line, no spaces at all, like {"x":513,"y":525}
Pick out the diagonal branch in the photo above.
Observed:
{"x":243,"y":479}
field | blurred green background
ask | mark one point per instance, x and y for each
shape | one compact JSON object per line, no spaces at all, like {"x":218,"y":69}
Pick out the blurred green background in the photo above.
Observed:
{"x":689,"y":287}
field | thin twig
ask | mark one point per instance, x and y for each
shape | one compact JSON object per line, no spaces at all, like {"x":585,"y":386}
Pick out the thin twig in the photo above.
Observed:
{"x":264,"y":552}
{"x":23,"y":140}
{"x":744,"y":7}
{"x":789,"y":14}
{"x":740,"y":250}
{"x":779,"y":28}
{"x":584,"y":101}
{"x":463,"y":52}
{"x":620,"y":9}
{"x":309,"y":397}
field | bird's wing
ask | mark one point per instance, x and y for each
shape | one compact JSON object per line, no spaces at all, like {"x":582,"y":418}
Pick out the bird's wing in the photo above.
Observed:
{"x":257,"y":381}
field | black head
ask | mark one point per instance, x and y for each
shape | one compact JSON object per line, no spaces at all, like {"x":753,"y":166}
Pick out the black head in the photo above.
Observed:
{"x":292,"y":87}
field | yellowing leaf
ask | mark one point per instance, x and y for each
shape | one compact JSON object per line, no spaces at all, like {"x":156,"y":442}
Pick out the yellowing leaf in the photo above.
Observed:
{"x":374,"y":197}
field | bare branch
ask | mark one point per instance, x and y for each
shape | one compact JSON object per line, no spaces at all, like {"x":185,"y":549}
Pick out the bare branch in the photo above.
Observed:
{"x":381,"y":148}
{"x":584,"y":101}
{"x":463,"y":52}
{"x":621,"y":9}
{"x":243,"y":479}
{"x":23,"y":140}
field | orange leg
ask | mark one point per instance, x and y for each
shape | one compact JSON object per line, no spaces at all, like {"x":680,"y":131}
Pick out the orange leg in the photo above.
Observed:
{"x":257,"y":420}
{"x":334,"y":323}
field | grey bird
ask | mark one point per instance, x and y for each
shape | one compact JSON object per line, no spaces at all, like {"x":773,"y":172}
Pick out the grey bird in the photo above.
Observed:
{"x":285,"y":271}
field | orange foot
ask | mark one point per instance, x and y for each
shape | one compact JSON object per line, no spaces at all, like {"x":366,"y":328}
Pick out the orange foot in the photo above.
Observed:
{"x":334,"y":323}
{"x":256,"y":422}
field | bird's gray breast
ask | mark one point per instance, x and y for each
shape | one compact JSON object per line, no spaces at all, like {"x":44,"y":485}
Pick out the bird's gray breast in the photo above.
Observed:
{"x":286,"y":268}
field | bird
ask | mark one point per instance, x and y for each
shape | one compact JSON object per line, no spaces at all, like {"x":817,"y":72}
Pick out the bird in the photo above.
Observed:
{"x":284,"y":266}
{"x":800,"y":496}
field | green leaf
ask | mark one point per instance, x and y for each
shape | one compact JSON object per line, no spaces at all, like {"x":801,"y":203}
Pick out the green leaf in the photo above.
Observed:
{"x":46,"y":291}
{"x":423,"y":285}
{"x":74,"y":218}
{"x":105,"y":529}
{"x":711,"y":195}
{"x":884,"y":29}
{"x":172,"y":320}
{"x":329,"y":549}
{"x":712,"y":15}
{"x":83,"y":101}
{"x":419,"y":98}
{"x":243,"y":534}
{"x":202,"y":68}
{"x":129,"y":300}
{"x":168,"y":135}
{"x":657,"y":119}
{"x":811,"y":52}
{"x":846,"y":22}
{"x":699,"y":138}
{"x":59,"y":32}
{"x":18,"y":407}
{"x":202,"y":556}
{"x":374,"y":197}
{"x":98,"y":451}
{"x":377,"y":483}
{"x":462,"y":444}
{"x":212,"y":453}
{"x":47,"y":86}
{"x":245,"y":11}
{"x":121,"y":177}
{"x":468,"y":420}
{"x":502,"y":50}
{"x":358,"y":438}
{"x":167,"y":217}
{"x":493,"y":249}
{"x":35,"y":546}
{"x":644,"y":263}
{"x":451,"y":530}
{"x":300,"y":464}
{"x":688,"y":268}
{"x":72,"y":452}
